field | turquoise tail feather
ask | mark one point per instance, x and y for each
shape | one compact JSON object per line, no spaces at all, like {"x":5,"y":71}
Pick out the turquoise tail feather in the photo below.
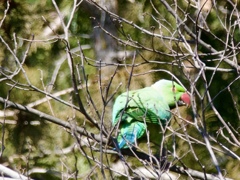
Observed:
{"x":129,"y":133}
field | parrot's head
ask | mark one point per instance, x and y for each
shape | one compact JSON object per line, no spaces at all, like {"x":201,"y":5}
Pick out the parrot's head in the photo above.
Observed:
{"x":172,"y":92}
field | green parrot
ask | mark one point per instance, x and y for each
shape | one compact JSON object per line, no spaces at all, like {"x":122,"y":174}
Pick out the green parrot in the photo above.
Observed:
{"x":146,"y":109}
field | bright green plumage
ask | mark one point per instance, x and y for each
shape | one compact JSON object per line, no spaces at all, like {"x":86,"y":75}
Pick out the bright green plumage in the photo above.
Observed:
{"x":138,"y":109}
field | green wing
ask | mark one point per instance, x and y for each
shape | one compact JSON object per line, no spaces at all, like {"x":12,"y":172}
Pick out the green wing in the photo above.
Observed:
{"x":136,"y":109}
{"x":142,"y":105}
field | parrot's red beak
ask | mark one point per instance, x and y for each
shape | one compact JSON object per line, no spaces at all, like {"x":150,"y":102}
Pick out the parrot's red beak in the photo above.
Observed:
{"x":185,"y":98}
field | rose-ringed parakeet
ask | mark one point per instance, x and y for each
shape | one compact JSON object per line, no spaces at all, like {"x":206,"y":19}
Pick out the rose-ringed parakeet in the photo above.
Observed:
{"x":146,"y":109}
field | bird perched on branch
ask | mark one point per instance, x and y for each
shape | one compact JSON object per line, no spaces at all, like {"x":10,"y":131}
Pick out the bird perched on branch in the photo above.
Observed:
{"x":146,"y":111}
